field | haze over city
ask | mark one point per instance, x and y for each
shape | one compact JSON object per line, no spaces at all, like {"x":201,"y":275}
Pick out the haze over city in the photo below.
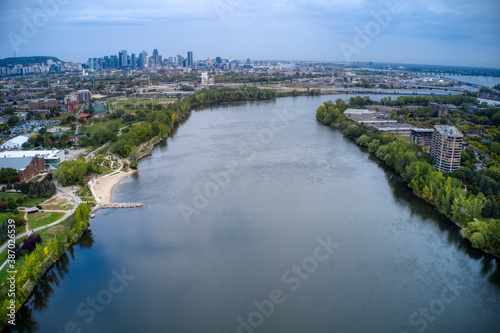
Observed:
{"x":428,"y":32}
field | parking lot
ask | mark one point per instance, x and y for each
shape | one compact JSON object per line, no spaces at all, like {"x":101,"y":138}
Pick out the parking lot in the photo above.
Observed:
{"x":73,"y":154}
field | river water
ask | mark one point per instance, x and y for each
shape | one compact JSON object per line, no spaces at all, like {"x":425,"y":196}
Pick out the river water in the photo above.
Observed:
{"x":257,"y":218}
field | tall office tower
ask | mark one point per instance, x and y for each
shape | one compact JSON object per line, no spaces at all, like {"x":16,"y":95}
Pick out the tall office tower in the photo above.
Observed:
{"x":143,"y":60}
{"x":90,"y":63}
{"x":180,"y":60}
{"x":218,"y":60}
{"x":100,"y":62}
{"x":133,"y":61}
{"x":190,"y":62}
{"x":123,"y":58}
{"x":106,"y":63}
{"x":248,"y":61}
{"x":156,"y":57}
{"x":446,"y":148}
{"x":114,"y":61}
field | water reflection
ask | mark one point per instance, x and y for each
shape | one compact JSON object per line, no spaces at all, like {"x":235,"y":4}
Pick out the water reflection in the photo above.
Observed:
{"x":39,"y":300}
{"x":489,"y":264}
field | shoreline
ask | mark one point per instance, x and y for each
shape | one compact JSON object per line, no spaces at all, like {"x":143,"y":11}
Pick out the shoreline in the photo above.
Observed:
{"x":459,"y":224}
{"x":102,"y":188}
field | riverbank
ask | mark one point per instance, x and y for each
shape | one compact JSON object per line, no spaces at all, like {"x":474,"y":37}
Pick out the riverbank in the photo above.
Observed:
{"x":439,"y":189}
{"x":26,"y":270}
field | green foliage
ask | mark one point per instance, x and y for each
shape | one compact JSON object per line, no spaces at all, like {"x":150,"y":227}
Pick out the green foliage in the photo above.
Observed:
{"x":373,"y":146}
{"x":364,"y":140}
{"x":43,"y":189}
{"x":4,"y":230}
{"x":8,"y":175}
{"x":329,"y":113}
{"x":74,"y":172}
{"x":82,"y":215}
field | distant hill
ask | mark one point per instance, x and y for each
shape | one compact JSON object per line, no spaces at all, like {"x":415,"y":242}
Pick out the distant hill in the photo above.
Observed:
{"x":26,"y":61}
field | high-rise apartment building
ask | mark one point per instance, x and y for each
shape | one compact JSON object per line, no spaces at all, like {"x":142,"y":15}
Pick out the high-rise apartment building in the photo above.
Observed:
{"x":446,"y":148}
{"x":190,"y":62}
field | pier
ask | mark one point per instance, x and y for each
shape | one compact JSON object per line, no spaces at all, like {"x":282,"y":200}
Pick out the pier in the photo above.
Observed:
{"x":121,"y":205}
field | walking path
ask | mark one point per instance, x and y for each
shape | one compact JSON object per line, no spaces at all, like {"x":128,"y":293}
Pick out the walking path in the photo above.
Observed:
{"x":61,"y":192}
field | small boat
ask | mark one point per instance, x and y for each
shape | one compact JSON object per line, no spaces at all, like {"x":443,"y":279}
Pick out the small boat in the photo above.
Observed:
{"x":92,"y":216}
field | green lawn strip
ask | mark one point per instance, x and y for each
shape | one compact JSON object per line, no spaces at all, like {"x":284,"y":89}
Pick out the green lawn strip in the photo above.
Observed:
{"x":28,"y":202}
{"x":39,"y":219}
{"x":89,"y":199}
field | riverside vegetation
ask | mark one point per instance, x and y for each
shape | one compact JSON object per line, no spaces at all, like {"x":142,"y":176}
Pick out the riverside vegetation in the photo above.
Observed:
{"x":36,"y":256}
{"x":470,"y":209}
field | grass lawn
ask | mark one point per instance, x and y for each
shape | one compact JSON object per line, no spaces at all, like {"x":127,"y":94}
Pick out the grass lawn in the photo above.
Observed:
{"x":88,"y":199}
{"x":135,"y":104}
{"x":100,"y":125}
{"x":40,"y":219}
{"x":28,"y":202}
{"x":3,"y":216}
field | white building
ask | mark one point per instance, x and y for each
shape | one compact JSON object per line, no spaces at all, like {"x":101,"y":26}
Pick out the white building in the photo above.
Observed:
{"x":15,"y":143}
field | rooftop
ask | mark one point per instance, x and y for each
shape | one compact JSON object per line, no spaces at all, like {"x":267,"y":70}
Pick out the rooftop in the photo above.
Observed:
{"x":358,"y":111}
{"x":29,"y":153}
{"x":449,"y":130}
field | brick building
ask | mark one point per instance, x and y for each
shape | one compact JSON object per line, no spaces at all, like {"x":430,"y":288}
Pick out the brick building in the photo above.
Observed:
{"x":43,"y":104}
{"x":36,"y":166}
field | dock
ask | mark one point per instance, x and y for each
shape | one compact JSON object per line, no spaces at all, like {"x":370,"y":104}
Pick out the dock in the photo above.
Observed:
{"x":121,"y":205}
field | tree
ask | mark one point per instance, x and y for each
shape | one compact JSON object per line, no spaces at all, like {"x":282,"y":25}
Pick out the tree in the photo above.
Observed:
{"x":363,"y":140}
{"x":9,"y":111}
{"x":477,"y":240}
{"x":82,"y":215}
{"x":38,"y":116}
{"x":29,"y":243}
{"x":13,"y":121}
{"x":373,"y":146}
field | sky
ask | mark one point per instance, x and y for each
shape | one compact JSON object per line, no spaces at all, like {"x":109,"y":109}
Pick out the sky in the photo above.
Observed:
{"x":440,"y":32}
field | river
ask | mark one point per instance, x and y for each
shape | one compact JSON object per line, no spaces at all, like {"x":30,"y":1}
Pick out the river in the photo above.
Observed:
{"x":257,"y":218}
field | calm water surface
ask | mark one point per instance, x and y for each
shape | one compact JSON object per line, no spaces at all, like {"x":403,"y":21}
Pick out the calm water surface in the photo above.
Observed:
{"x":239,"y":209}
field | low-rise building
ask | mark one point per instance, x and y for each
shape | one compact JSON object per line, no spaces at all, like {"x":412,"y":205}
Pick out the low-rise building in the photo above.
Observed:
{"x":15,"y":143}
{"x":422,"y":136}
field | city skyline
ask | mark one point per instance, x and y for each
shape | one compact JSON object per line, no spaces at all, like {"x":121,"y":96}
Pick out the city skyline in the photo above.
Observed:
{"x":424,"y":32}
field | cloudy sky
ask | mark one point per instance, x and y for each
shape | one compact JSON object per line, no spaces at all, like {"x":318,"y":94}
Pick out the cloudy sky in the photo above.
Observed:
{"x":453,"y":32}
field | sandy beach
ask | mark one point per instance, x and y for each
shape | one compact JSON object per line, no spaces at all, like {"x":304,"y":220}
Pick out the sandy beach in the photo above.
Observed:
{"x":104,"y":186}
